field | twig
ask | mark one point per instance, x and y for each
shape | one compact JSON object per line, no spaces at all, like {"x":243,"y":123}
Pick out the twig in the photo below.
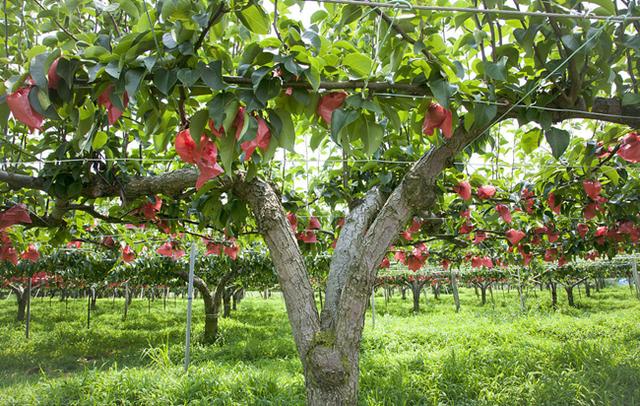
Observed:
{"x":56,"y":22}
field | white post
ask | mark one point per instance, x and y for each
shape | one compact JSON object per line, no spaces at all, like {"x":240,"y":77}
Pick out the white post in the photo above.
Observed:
{"x":454,"y":288}
{"x":28,"y":324}
{"x":523,"y":306}
{"x":192,"y":261}
{"x":373,"y":307}
{"x":636,"y":277}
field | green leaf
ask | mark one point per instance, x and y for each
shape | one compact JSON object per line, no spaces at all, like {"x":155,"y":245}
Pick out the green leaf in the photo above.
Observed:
{"x":99,"y":140}
{"x":113,"y":69}
{"x":605,"y":4}
{"x":132,"y":81}
{"x":211,"y":75}
{"x":358,"y":63}
{"x":483,"y":114}
{"x":4,"y":114}
{"x":130,"y":8}
{"x":94,"y":52}
{"x":287,"y":136}
{"x":227,"y":151}
{"x":258,"y":75}
{"x":442,"y":91}
{"x":164,"y":80}
{"x":160,"y":140}
{"x":255,"y":19}
{"x":496,"y":71}
{"x":188,"y":77}
{"x":611,"y":173}
{"x":313,"y":76}
{"x":339,"y":120}
{"x":86,"y":118}
{"x":38,"y":71}
{"x":530,"y":140}
{"x":67,"y":69}
{"x":372,"y":138}
{"x":350,"y":13}
{"x":268,"y":89}
{"x":197,"y":123}
{"x":558,"y":140}
{"x":630,"y":99}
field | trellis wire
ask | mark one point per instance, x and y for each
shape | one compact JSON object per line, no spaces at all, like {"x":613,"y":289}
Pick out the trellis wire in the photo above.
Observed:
{"x":553,"y":72}
{"x":408,"y":6}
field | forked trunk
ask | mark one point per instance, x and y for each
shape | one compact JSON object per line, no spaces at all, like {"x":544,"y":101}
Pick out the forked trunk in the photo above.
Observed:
{"x":569,"y":290}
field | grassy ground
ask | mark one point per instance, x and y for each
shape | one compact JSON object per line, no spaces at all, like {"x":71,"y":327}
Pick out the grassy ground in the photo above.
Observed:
{"x":491,"y":355}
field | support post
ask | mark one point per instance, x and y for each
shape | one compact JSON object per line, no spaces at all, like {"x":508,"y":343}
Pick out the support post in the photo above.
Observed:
{"x":373,"y":307}
{"x":192,"y":261}
{"x":454,"y":288}
{"x":28,"y":325}
{"x":636,"y":277}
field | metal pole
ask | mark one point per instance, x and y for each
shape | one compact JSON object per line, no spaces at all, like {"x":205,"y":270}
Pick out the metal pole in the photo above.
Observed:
{"x":192,"y":261}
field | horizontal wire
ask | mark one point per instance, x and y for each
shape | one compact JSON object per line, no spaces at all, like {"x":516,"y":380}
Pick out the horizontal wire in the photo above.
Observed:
{"x":478,"y":165}
{"x":516,"y":13}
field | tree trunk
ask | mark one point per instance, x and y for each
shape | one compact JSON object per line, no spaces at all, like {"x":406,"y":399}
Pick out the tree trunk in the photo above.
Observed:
{"x":403,"y":291}
{"x":226,"y":299}
{"x":212,"y":302}
{"x":454,"y":288}
{"x":569,"y":290}
{"x":587,"y":288}
{"x":237,"y":297}
{"x":416,"y":288}
{"x":94,"y":298}
{"x":436,"y":291}
{"x":210,"y":322}
{"x":554,"y":295}
{"x":483,"y":294}
{"x":21,"y":296}
{"x":331,"y":379}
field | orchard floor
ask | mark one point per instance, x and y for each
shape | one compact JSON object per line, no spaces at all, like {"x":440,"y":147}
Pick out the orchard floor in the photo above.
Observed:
{"x":484,"y":355}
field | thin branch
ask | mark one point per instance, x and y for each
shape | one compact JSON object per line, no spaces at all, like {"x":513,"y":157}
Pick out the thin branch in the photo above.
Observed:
{"x":56,"y":22}
{"x":214,"y":17}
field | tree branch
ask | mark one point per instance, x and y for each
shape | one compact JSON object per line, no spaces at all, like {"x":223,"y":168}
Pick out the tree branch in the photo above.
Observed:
{"x":287,"y":259}
{"x":348,"y":249}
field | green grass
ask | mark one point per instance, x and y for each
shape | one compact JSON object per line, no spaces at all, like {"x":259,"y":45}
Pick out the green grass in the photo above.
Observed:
{"x":484,"y":355}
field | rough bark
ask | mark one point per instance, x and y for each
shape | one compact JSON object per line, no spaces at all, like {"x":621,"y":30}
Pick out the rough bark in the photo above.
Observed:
{"x":569,"y":290}
{"x":226,"y":300}
{"x":416,"y":288}
{"x":347,"y":251}
{"x":21,"y":299}
{"x":287,"y":259}
{"x":212,"y":301}
{"x":454,"y":289}
{"x":483,"y":294}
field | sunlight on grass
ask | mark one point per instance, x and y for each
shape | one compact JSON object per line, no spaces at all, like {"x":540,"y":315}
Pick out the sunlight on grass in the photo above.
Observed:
{"x":484,"y":355}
